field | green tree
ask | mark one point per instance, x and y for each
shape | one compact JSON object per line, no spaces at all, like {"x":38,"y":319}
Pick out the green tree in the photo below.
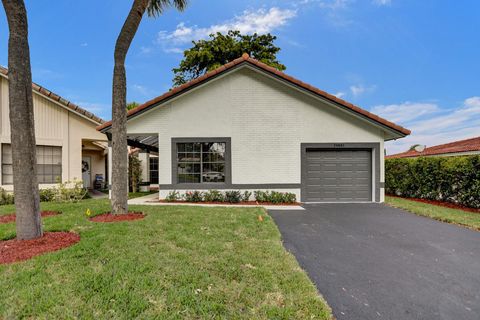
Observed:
{"x":207,"y":55}
{"x":25,"y":185}
{"x":119,"y":95}
{"x":132,"y":105}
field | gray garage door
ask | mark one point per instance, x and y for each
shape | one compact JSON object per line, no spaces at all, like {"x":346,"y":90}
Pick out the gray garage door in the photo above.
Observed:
{"x":338,"y":176}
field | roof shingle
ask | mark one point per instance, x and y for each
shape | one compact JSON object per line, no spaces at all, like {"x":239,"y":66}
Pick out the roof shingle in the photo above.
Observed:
{"x":467,"y":145}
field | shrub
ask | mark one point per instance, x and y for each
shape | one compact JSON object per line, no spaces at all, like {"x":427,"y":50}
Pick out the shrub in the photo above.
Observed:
{"x":213,"y":196}
{"x":246,"y":196}
{"x":173,"y":196}
{"x":261,"y":196}
{"x":275,"y":197}
{"x":193,"y":196}
{"x":47,"y":195}
{"x":70,"y":191}
{"x":6,"y":197}
{"x":450,"y":179}
{"x":233,"y":196}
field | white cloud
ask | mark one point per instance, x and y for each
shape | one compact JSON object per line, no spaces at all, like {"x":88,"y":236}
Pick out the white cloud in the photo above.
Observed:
{"x":382,"y":2}
{"x":100,"y":109}
{"x":145,"y":50}
{"x":360,"y":89}
{"x":259,"y":21}
{"x":327,"y":4}
{"x":141,"y":89}
{"x":340,"y":94}
{"x":431,"y":125}
{"x":404,"y":112}
{"x":84,"y":44}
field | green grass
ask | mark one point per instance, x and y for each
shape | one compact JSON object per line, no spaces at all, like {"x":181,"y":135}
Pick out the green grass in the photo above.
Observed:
{"x":177,"y":263}
{"x":460,"y":217}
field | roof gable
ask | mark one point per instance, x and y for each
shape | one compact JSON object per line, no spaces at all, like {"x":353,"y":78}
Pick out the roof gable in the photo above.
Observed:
{"x":63,"y":102}
{"x":245,"y":59}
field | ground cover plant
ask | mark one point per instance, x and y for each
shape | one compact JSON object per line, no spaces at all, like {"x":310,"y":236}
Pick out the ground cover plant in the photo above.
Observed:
{"x":233,"y":196}
{"x":177,"y":263}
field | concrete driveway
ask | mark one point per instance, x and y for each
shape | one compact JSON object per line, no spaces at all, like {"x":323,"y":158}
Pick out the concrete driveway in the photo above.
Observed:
{"x":371,"y":261}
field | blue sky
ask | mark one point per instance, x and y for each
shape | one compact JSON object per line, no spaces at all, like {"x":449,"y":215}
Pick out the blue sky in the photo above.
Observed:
{"x":414,"y":62}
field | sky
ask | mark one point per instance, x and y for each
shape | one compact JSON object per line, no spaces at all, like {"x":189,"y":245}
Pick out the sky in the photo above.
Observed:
{"x":414,"y":62}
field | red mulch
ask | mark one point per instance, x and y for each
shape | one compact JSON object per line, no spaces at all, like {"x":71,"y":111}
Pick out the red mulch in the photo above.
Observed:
{"x":245,"y":203}
{"x":11,"y":217}
{"x":18,"y":250}
{"x":109,"y":217}
{"x":441,"y":204}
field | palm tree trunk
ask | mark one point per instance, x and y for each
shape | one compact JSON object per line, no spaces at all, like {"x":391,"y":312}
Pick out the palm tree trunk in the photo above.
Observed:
{"x":119,"y":108}
{"x":22,"y":128}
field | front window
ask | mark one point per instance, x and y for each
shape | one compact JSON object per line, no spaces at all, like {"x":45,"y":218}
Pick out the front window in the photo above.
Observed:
{"x":201,"y":162}
{"x":153,"y":170}
{"x":49,"y":164}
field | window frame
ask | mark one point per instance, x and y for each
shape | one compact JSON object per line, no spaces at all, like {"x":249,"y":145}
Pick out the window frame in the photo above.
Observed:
{"x":199,"y":185}
{"x":41,"y":154}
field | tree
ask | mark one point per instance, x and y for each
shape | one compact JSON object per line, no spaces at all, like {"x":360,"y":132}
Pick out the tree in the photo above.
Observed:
{"x":119,"y":96}
{"x":27,"y":199}
{"x":207,"y":55}
{"x":132,"y":105}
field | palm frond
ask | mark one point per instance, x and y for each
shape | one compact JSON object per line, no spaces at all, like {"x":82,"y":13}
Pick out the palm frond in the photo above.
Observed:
{"x":156,"y":7}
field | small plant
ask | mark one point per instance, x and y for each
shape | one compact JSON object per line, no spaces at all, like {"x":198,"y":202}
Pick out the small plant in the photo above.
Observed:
{"x":6,"y":197}
{"x":289,"y":197}
{"x":70,"y":191}
{"x":261,"y":196}
{"x":233,"y":196}
{"x":246,"y":196}
{"x":173,"y":196}
{"x":47,"y":195}
{"x":213,"y":196}
{"x":193,"y":196}
{"x":275,"y":197}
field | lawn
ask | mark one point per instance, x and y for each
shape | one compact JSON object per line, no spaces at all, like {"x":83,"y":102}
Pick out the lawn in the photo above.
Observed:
{"x":456,"y":216}
{"x":177,"y":263}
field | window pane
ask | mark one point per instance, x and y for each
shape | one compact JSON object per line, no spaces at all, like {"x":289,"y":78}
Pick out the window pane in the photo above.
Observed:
{"x":7,"y":179}
{"x":213,"y":172}
{"x":6,"y":154}
{"x":7,"y":169}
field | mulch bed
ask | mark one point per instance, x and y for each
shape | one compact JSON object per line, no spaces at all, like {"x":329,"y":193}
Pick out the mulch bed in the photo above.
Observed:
{"x":11,"y":217}
{"x":18,"y":250}
{"x":243,"y":203}
{"x":109,"y":217}
{"x":441,"y":204}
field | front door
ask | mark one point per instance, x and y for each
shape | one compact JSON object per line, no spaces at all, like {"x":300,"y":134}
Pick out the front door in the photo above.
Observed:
{"x":86,"y":171}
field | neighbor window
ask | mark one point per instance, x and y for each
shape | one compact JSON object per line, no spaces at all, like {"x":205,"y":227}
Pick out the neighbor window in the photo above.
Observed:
{"x":49,"y":164}
{"x":201,"y":162}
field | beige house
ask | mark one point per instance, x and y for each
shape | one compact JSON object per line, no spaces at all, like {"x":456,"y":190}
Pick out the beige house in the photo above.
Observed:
{"x":247,"y":126}
{"x":68,"y":146}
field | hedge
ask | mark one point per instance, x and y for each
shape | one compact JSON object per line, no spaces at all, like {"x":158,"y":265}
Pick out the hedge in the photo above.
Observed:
{"x":450,"y":179}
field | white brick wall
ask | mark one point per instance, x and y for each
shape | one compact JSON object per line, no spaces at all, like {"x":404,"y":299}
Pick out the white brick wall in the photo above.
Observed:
{"x":266,"y":120}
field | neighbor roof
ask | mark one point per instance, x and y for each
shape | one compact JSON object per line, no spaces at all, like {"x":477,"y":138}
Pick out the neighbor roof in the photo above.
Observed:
{"x":246,"y":59}
{"x":69,"y":105}
{"x":467,"y":145}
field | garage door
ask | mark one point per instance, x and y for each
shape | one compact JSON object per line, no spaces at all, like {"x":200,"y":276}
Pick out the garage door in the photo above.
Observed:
{"x":338,"y":176}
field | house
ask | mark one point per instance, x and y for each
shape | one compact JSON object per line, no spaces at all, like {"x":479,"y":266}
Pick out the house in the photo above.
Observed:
{"x":247,"y":126}
{"x":457,"y":148}
{"x":68,"y":145}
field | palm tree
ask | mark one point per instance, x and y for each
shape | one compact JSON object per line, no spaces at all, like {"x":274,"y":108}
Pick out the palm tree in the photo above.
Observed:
{"x":27,"y":201}
{"x":119,"y":95}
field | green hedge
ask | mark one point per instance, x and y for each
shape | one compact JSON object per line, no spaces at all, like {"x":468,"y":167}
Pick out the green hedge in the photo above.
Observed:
{"x":451,"y":179}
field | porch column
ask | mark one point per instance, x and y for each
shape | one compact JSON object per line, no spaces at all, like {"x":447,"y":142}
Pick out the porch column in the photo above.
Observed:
{"x":144,"y":157}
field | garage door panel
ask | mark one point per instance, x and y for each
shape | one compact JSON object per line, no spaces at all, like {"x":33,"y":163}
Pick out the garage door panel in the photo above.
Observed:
{"x":338,"y":176}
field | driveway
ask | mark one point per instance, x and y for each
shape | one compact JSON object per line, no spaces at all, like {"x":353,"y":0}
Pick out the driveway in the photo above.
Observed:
{"x":371,"y":261}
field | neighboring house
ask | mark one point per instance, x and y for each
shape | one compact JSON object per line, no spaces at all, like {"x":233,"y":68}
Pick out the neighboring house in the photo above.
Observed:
{"x":68,"y":146}
{"x":247,"y":126}
{"x":457,"y":148}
